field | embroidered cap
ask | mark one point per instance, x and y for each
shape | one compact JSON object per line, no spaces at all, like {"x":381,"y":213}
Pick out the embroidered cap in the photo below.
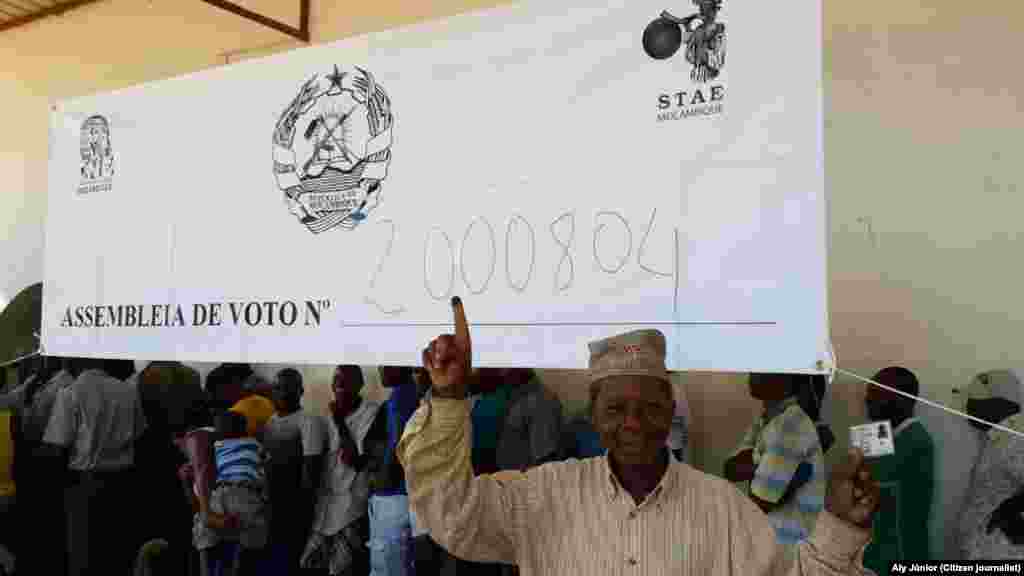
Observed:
{"x":638,"y":353}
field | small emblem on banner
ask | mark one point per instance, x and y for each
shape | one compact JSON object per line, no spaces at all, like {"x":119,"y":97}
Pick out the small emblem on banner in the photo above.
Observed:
{"x":703,"y":36}
{"x":97,"y":168}
{"x":332,"y":149}
{"x":702,"y":33}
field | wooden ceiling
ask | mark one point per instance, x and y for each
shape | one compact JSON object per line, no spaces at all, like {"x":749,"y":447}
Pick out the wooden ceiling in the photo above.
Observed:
{"x":14,"y":13}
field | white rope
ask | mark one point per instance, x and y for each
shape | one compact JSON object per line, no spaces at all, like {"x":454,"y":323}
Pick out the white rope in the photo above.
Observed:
{"x":929,"y":402}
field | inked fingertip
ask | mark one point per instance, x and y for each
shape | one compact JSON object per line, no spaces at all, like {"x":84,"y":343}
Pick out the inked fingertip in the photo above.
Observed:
{"x":456,"y":301}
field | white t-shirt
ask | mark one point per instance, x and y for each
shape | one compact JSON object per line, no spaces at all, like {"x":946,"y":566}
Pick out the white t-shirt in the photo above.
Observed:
{"x":309,"y":429}
{"x":344,"y":493}
{"x":98,"y":418}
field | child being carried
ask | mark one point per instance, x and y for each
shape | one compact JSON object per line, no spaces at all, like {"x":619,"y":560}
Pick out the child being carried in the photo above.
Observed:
{"x":237,"y":520}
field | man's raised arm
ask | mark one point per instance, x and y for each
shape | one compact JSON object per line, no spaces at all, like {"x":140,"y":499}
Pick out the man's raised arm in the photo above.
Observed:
{"x":474,"y":518}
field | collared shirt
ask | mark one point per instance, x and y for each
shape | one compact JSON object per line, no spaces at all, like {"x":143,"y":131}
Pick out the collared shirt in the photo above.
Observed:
{"x":573,"y":517}
{"x":784,"y":438}
{"x":98,"y":418}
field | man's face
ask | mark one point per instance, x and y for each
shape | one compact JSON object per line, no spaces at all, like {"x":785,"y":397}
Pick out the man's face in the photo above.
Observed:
{"x":633,"y":416}
{"x":879,"y":401}
{"x":285,"y":395}
{"x":489,"y":379}
{"x":515,"y":376}
{"x":390,"y":376}
{"x":344,"y":388}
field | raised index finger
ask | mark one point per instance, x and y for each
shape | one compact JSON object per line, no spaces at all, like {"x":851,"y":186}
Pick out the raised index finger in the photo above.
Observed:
{"x":462,"y":339}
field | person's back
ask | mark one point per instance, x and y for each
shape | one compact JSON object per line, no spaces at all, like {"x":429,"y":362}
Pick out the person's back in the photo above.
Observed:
{"x":238,"y":501}
{"x":779,"y":463}
{"x":532,"y":431}
{"x":95,"y":424}
{"x":788,"y":440}
{"x":109,"y":419}
{"x":239,"y":460}
{"x":42,"y":406}
{"x":282,"y":439}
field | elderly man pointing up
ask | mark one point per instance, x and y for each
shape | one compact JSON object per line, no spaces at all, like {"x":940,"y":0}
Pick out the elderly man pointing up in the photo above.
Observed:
{"x":634,"y":511}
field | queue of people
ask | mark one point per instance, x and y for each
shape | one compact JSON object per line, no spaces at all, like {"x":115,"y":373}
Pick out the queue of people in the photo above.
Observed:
{"x":474,"y":472}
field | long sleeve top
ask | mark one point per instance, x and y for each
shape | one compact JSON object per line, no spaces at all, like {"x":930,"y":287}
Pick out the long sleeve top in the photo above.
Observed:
{"x":573,"y":517}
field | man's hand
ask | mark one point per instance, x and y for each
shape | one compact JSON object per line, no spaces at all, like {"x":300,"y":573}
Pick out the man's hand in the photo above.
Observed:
{"x":449,"y":358}
{"x":853,"y":495}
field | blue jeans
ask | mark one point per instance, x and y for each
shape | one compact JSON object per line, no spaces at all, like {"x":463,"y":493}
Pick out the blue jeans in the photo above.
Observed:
{"x":391,"y":548}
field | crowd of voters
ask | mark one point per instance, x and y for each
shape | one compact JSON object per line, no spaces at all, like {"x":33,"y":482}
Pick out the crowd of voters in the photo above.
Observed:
{"x":469,"y":471}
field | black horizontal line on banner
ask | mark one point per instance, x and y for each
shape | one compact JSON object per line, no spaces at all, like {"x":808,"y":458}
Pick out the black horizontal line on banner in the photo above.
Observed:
{"x":543,"y":324}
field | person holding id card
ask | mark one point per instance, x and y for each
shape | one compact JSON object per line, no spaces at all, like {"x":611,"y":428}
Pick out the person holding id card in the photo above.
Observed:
{"x":905,"y":470}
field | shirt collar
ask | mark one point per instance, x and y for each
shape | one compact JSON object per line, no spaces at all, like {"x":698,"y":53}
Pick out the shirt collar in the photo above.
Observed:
{"x":665,"y":486}
{"x":904,"y":425}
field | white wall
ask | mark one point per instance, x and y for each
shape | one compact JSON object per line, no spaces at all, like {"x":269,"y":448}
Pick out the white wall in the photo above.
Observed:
{"x":922,"y":160}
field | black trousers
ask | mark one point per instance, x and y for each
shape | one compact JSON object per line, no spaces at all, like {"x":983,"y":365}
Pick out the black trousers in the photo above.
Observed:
{"x":432,"y":559}
{"x":99,"y":516}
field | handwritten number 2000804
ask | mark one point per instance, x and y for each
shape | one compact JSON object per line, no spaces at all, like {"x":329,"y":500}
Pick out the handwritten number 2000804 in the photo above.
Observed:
{"x":519,"y":230}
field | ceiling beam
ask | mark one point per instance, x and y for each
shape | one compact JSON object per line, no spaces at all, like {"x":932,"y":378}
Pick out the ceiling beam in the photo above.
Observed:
{"x":55,"y":10}
{"x":21,"y":9}
{"x":300,"y":33}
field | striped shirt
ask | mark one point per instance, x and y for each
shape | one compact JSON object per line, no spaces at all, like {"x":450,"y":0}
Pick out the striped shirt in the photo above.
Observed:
{"x":239,"y":460}
{"x":784,"y":438}
{"x":573,"y":517}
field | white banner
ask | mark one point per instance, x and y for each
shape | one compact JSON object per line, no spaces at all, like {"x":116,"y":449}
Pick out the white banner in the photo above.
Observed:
{"x":570,"y":168}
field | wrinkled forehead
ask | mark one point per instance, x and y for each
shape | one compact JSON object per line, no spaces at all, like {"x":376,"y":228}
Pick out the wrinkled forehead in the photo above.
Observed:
{"x":645,"y":388}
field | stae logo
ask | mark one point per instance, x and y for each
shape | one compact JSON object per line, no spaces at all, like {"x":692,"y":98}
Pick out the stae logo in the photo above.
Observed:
{"x":703,"y":35}
{"x":332,"y":149}
{"x":704,"y":38}
{"x":97,"y":168}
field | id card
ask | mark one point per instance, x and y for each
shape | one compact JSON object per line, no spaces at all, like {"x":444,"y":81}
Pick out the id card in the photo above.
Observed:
{"x":874,"y":439}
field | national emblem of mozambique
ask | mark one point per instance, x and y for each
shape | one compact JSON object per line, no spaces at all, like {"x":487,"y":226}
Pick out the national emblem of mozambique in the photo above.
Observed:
{"x":332,"y":148}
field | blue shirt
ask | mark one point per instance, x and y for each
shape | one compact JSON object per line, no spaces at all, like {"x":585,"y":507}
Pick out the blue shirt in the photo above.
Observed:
{"x":399,"y":409}
{"x":239,"y":460}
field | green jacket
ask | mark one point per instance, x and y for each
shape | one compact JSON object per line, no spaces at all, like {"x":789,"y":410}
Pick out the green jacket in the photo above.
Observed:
{"x":901,"y":528}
